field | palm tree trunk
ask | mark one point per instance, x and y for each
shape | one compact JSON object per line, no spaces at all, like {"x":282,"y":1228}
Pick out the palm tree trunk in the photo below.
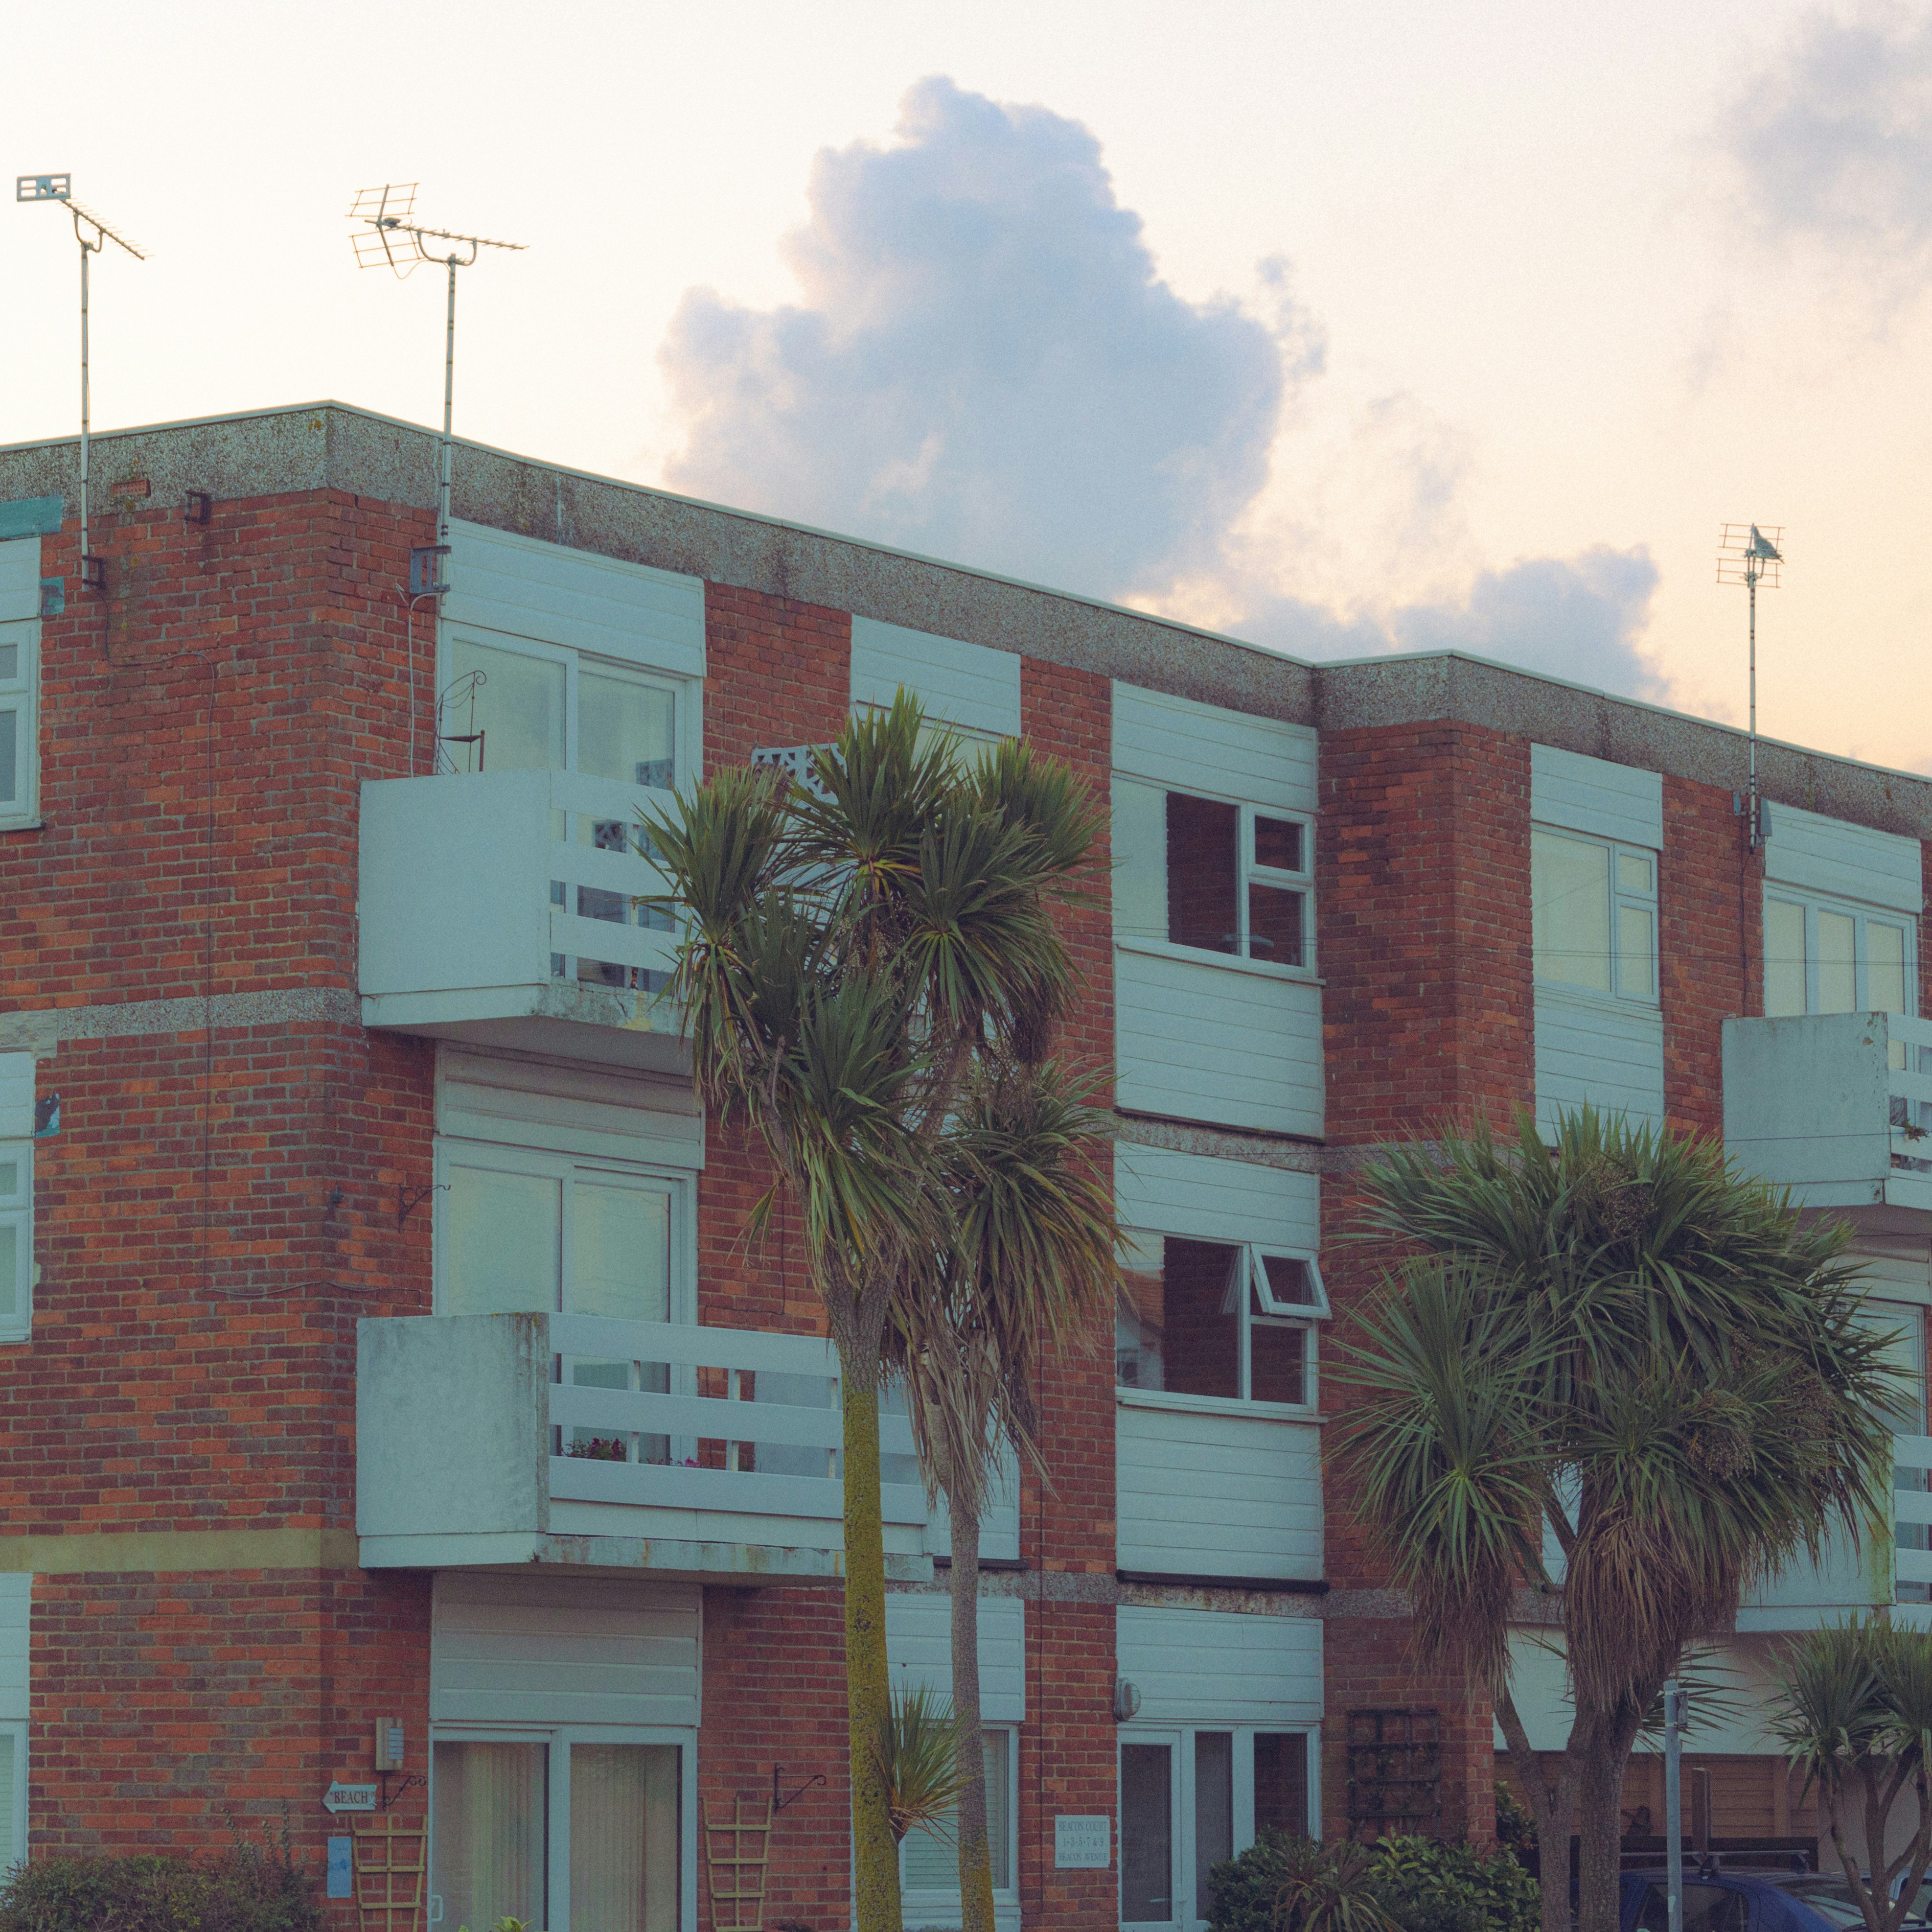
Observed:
{"x":1600,"y":1816}
{"x":1552,"y":1803}
{"x":975,"y":1856}
{"x":868,"y":1683}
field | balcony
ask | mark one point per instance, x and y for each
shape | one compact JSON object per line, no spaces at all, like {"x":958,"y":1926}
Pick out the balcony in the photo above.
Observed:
{"x":498,"y":908}
{"x":1834,"y":1106}
{"x":725,"y":1442}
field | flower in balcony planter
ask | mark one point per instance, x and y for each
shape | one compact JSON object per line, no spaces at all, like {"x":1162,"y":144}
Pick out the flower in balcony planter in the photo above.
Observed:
{"x":602,"y":1449}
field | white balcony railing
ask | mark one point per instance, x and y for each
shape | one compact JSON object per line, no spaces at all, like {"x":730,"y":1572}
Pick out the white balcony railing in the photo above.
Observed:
{"x":523,"y":1437}
{"x":1912,"y":1513}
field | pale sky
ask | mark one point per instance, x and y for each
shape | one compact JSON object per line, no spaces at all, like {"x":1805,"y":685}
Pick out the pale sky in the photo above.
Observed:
{"x":1442,"y":324}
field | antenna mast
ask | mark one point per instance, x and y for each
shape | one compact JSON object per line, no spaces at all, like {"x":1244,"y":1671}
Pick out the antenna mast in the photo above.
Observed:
{"x":1747,"y":555}
{"x":388,"y":238}
{"x":59,"y":187}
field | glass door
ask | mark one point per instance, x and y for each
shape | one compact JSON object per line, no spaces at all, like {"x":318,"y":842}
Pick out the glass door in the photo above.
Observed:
{"x":617,"y":1263}
{"x":1150,"y":1829}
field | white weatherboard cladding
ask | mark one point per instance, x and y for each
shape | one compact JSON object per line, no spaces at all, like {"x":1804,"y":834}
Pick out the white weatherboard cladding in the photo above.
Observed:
{"x":1194,"y":1041}
{"x":575,"y":1649}
{"x":517,"y":584}
{"x":1201,"y":748}
{"x":597,"y":1112}
{"x":1592,"y":795}
{"x":19,"y":579}
{"x":918,"y":1648}
{"x":1205,"y":1199}
{"x":17,"y":1593}
{"x":1848,"y":861}
{"x":16,"y":1096}
{"x":1205,"y":1492}
{"x":1220,"y":1666}
{"x":1610,"y":1054}
{"x":999,"y":1516}
{"x":969,"y":685}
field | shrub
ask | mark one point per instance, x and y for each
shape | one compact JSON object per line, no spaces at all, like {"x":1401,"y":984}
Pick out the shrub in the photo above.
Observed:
{"x":1283,"y":1884}
{"x":248,"y":1887}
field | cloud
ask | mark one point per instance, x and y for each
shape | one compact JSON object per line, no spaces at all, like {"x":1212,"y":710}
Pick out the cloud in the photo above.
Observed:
{"x":985,"y":364}
{"x":1834,"y":136}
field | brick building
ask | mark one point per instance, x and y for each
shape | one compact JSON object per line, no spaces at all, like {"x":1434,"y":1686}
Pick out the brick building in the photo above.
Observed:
{"x":351,"y":1180}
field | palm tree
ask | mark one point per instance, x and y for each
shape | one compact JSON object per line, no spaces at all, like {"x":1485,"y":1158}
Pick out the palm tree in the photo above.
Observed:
{"x":1027,"y":1269}
{"x":848,"y":946}
{"x":1857,"y":1716}
{"x":1622,"y":1345}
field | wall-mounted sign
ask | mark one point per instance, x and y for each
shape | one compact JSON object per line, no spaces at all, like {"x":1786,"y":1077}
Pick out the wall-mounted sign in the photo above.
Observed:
{"x":1082,"y":1844}
{"x":341,"y":1797}
{"x":341,"y":1868}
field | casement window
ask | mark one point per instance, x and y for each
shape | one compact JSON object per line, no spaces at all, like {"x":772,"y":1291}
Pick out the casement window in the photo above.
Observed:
{"x":1213,"y":874}
{"x":1229,"y":1320}
{"x":16,"y":1240}
{"x":522,"y":1228}
{"x":1594,"y":914}
{"x":512,"y":705}
{"x":1192,"y":1799}
{"x":929,"y":1855}
{"x":1823,"y":955}
{"x":13,"y":1795}
{"x":561,"y":1826}
{"x":19,"y":735}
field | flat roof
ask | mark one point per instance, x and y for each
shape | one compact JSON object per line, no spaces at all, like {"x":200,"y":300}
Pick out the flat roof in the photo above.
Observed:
{"x":334,"y":446}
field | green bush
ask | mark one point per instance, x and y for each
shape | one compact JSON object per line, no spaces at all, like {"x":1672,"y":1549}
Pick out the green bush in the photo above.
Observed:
{"x":248,"y":1887}
{"x":1421,"y":1884}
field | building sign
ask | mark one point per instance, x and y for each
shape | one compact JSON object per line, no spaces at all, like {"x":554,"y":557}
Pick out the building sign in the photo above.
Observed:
{"x":1081,"y":1844}
{"x":341,"y":1797}
{"x":341,"y":1868}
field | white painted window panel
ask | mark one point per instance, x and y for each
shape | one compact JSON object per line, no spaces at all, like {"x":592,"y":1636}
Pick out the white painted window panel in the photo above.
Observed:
{"x":597,"y":1114}
{"x":1207,"y":1199}
{"x":16,"y":1096}
{"x":918,"y":1648}
{"x":19,"y":579}
{"x":1208,"y":1667}
{"x":969,"y":685}
{"x":17,"y":1592}
{"x":1610,"y":1055}
{"x":1210,"y":1043}
{"x":1203,"y":749}
{"x":568,"y":1649}
{"x":527,"y":588}
{"x":1204,"y":1494}
{"x":1848,"y":861}
{"x":1593,"y":795}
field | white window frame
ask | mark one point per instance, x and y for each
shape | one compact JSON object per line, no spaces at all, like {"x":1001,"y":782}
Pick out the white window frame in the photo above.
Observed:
{"x":16,"y":1210}
{"x":1247,"y":873}
{"x":540,"y":1162}
{"x":13,"y":1739}
{"x":939,"y":1907}
{"x":1275,"y":1314}
{"x":1180,"y":1738}
{"x":1863,"y":916}
{"x":20,"y":694}
{"x":1618,"y":849}
{"x":559,"y":1737}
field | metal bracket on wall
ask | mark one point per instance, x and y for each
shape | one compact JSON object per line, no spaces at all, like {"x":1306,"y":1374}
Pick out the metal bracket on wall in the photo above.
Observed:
{"x":408,"y":1200}
{"x":778,"y":1803}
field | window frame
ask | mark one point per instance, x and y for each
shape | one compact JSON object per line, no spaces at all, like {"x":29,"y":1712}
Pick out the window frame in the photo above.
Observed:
{"x":1181,"y":1738}
{"x":1248,"y":872}
{"x":16,"y":1210}
{"x":1618,"y":899}
{"x":941,"y":1906}
{"x":20,"y":696}
{"x":542,"y":1163}
{"x":1863,"y":916}
{"x":558,"y":1739}
{"x":1305,"y":1316}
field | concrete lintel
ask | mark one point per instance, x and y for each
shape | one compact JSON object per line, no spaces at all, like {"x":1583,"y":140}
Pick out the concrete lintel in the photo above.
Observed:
{"x":178,"y":1552}
{"x":741,"y":1563}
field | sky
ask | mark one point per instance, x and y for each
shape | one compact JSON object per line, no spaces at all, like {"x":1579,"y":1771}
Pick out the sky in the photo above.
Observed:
{"x":1342,"y":329}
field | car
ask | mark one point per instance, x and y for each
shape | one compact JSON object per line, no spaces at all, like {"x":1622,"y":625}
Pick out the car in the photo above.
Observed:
{"x":1741,"y":1901}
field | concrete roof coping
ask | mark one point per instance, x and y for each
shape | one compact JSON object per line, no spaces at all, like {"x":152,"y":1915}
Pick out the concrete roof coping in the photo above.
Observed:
{"x":335,"y":446}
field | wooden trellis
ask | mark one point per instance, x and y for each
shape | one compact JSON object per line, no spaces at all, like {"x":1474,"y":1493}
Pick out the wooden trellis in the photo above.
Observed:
{"x":737,"y":1853}
{"x":388,"y":1872}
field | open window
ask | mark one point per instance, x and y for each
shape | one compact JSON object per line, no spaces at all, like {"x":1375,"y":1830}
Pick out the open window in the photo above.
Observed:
{"x":1232,"y":1321}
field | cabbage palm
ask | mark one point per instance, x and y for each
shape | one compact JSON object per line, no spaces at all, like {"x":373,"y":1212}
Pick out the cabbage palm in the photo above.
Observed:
{"x":1620,"y":1346}
{"x":849,"y":945}
{"x":1028,"y":1268}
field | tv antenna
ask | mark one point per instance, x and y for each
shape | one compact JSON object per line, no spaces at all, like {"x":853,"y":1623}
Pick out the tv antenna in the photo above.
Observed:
{"x":389,"y":239}
{"x":1750,"y":555}
{"x":59,"y":187}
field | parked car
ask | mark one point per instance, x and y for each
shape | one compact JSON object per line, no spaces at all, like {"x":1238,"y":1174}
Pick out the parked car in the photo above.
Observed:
{"x":1751,"y":1901}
